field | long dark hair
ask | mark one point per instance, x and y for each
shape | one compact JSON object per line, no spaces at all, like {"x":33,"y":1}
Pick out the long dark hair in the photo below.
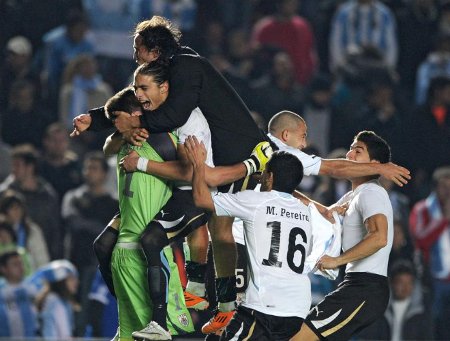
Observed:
{"x":160,"y":34}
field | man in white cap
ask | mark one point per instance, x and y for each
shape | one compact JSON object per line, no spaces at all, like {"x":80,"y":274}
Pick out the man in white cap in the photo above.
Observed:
{"x":17,"y":66}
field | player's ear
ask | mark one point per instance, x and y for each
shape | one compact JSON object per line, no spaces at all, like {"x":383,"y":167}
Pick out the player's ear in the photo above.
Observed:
{"x":164,"y":87}
{"x":284,"y":135}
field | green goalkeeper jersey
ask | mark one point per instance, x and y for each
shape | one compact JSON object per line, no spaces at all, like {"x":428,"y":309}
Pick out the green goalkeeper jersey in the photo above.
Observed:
{"x":141,"y":196}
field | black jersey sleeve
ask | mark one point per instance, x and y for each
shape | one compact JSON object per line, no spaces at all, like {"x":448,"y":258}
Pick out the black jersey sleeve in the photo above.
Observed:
{"x":99,"y":121}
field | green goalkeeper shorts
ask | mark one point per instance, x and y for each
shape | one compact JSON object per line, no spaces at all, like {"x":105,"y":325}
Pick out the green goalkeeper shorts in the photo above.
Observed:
{"x":134,"y":304}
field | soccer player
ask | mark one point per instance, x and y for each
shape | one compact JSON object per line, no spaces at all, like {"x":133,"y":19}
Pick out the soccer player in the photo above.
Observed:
{"x":278,"y":233}
{"x":141,"y":197}
{"x":366,"y":241}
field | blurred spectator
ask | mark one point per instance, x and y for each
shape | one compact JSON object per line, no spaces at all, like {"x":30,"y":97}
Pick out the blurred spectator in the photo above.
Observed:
{"x":417,"y":23}
{"x":402,"y":246}
{"x":24,"y":119}
{"x":359,"y":23}
{"x":279,"y":90}
{"x":18,"y":318}
{"x":444,"y":17}
{"x":431,"y":128}
{"x":86,"y":211}
{"x":57,"y":305}
{"x":286,"y":30}
{"x":28,"y":235}
{"x":383,"y":115}
{"x":17,"y":66}
{"x":407,"y":316}
{"x":212,"y":41}
{"x":362,"y":67}
{"x":8,"y":242}
{"x":182,"y":13}
{"x":59,"y":166}
{"x":400,"y":202}
{"x":111,"y":25}
{"x":318,"y":112}
{"x":63,"y":47}
{"x":82,"y":89}
{"x":41,"y":200}
{"x":5,"y":159}
{"x":102,"y":309}
{"x":330,"y":189}
{"x":437,"y":64}
{"x":430,"y":231}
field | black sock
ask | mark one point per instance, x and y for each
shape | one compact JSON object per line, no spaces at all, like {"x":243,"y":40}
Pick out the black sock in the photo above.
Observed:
{"x":157,"y":283}
{"x":103,"y":248}
{"x":226,"y":289}
{"x":195,"y":271}
{"x":153,"y":241}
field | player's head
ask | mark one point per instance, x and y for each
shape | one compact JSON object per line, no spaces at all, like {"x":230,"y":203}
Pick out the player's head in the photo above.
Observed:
{"x":283,"y":173}
{"x":290,"y":128}
{"x":369,"y":147}
{"x":123,"y":103}
{"x":156,"y":38}
{"x":151,"y":84}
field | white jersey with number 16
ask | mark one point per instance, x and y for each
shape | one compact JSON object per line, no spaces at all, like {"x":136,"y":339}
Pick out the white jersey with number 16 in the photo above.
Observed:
{"x":277,"y":233}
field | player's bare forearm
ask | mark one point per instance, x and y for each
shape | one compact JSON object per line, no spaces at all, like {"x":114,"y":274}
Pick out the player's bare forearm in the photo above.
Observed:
{"x":113,"y":143}
{"x":375,"y":239}
{"x":222,"y":175}
{"x":200,"y":189}
{"x":172,"y":170}
{"x":341,"y":168}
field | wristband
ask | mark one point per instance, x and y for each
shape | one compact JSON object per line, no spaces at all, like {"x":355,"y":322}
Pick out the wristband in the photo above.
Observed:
{"x":142,"y":164}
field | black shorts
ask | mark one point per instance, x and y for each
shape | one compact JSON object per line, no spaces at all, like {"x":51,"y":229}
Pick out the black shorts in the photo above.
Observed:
{"x":360,"y":299}
{"x":180,"y":216}
{"x":249,"y":324}
{"x":241,"y":268}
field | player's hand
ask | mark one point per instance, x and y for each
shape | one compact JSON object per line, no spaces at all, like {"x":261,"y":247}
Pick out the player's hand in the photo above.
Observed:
{"x":135,"y":136}
{"x":81,"y":123}
{"x":195,"y":151}
{"x":129,"y":162}
{"x":327,"y":262}
{"x":399,"y":175}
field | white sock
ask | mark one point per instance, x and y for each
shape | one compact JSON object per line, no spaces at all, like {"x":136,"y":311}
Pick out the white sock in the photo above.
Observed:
{"x":195,"y":288}
{"x":227,"y":306}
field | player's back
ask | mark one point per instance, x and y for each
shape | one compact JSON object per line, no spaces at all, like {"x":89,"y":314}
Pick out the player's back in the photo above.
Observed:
{"x":278,"y":238}
{"x":234,"y":132}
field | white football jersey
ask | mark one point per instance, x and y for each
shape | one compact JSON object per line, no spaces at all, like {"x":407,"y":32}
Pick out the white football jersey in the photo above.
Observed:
{"x":198,"y":126}
{"x":277,"y":233}
{"x":367,"y":200}
{"x":311,"y":163}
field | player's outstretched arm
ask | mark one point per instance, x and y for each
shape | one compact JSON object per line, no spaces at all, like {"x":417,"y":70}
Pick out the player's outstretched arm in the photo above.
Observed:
{"x":223,"y":175}
{"x":196,"y":154}
{"x":341,"y":168}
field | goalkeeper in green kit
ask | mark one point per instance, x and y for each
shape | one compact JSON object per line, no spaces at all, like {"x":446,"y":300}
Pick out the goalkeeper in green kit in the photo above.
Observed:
{"x":141,"y":196}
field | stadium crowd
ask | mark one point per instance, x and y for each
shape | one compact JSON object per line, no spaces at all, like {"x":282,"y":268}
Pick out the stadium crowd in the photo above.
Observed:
{"x":344,"y":66}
